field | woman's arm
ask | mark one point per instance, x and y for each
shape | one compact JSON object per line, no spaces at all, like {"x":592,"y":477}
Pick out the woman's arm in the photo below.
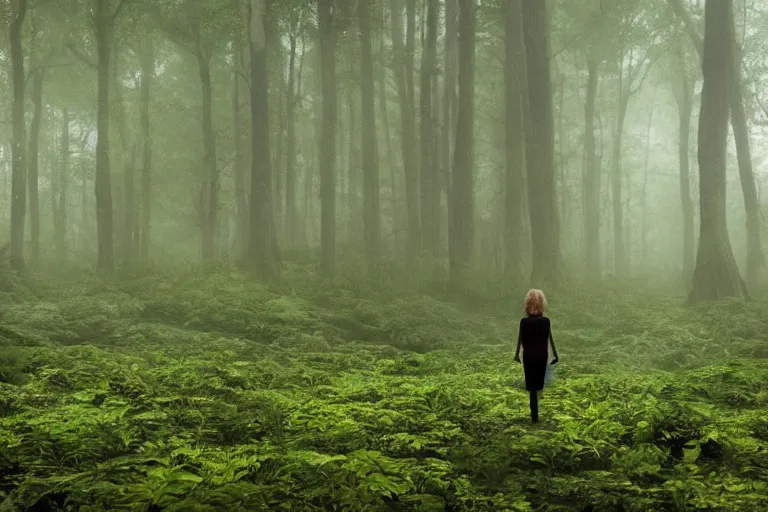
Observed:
{"x":552,"y":342}
{"x":519,"y":343}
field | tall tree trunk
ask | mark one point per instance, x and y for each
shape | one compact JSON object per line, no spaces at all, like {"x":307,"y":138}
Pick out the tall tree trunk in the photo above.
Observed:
{"x":646,"y":170}
{"x":104,"y":215}
{"x":290,"y":150}
{"x":328,"y":144}
{"x":539,"y":148}
{"x":209,"y":193}
{"x":384,"y":113}
{"x":263,"y":251}
{"x":428,"y":185}
{"x":514,"y":75}
{"x":8,"y":156}
{"x":371,"y":213}
{"x":561,"y":186}
{"x":283,"y":96}
{"x":60,"y":197}
{"x":354,"y":170}
{"x":241,"y":203}
{"x":147,"y":71}
{"x":18,"y":166}
{"x":619,"y":247}
{"x":685,"y":109}
{"x":126,"y":234}
{"x":403,"y":66}
{"x":84,"y":211}
{"x":462,"y":182}
{"x":449,"y":97}
{"x":591,"y":198}
{"x":129,"y":214}
{"x":755,"y":256}
{"x":38,"y":76}
{"x":716,"y":274}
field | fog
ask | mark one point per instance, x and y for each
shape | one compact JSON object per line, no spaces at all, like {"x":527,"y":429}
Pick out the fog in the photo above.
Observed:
{"x":286,"y":221}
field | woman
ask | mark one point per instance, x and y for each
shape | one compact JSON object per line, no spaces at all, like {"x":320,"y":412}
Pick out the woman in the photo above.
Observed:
{"x":534,"y":337}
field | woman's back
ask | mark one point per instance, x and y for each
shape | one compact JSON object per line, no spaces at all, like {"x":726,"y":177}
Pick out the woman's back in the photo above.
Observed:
{"x":534,"y":336}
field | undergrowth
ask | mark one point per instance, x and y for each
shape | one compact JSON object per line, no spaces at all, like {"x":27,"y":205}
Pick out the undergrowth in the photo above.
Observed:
{"x":213,"y":393}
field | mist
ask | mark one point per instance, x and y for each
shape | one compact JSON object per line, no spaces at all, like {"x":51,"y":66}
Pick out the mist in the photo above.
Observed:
{"x":270,"y":255}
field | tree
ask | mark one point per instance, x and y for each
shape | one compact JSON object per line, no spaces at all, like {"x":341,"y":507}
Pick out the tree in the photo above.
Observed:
{"x":430,"y":191}
{"x":514,"y":86}
{"x":291,"y":99}
{"x":450,"y":100}
{"x":59,"y":190}
{"x":716,"y":275}
{"x":591,"y":194}
{"x":104,"y":21}
{"x":593,"y":55}
{"x":263,"y":250}
{"x":633,"y":68}
{"x":18,"y":148}
{"x":403,"y":67}
{"x":328,"y":144}
{"x":33,"y":164}
{"x":462,"y":180}
{"x":371,"y":210}
{"x":684,"y":91}
{"x":539,"y":148}
{"x":755,"y":256}
{"x":147,"y":59}
{"x":195,"y":25}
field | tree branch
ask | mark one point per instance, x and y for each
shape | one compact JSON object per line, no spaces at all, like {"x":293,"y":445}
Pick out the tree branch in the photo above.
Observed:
{"x":762,"y":106}
{"x":117,"y":10}
{"x":82,"y":56}
{"x":690,"y":26}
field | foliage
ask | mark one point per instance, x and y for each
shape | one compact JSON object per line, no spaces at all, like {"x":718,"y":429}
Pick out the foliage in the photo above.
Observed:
{"x":211,"y":393}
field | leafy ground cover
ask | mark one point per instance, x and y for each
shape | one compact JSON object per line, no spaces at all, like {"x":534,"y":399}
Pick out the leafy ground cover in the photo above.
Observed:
{"x":210,"y":393}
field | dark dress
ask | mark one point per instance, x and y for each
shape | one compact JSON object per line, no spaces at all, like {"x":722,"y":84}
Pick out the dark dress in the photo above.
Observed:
{"x":534,"y":337}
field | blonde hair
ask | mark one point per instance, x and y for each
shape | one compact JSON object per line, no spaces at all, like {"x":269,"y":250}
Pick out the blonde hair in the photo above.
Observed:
{"x":535,"y":302}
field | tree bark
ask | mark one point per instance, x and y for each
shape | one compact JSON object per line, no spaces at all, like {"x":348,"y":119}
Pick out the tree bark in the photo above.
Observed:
{"x":129,"y":215}
{"x":428,"y":183}
{"x":274,"y":38}
{"x":126,"y":235}
{"x":619,"y":248}
{"x":290,"y":154}
{"x":209,"y":191}
{"x":514,"y":75}
{"x":354,"y":169}
{"x":591,"y":198}
{"x":539,"y":148}
{"x":449,"y":97}
{"x":390,"y":159}
{"x":241,"y":203}
{"x":327,"y":158}
{"x":685,"y":109}
{"x":147,"y":72}
{"x":18,"y":165}
{"x":716,"y":275}
{"x":104,"y":214}
{"x":646,"y":170}
{"x":38,"y":76}
{"x":403,"y":67}
{"x":371,"y":208}
{"x":462,"y":182}
{"x":59,"y":206}
{"x":755,"y":256}
{"x":263,"y":251}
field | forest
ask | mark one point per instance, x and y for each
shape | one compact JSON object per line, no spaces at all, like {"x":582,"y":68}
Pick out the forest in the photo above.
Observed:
{"x":272,"y":254}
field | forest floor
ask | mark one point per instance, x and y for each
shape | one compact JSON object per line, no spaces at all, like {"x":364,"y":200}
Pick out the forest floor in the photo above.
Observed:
{"x":212,"y":393}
